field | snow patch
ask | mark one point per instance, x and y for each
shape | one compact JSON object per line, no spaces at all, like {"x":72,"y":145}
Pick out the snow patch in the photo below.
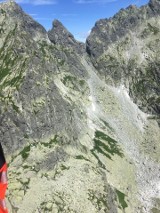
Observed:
{"x":93,"y":105}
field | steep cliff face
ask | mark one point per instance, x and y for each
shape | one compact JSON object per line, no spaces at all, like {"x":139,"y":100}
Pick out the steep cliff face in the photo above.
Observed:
{"x":74,"y":139}
{"x":44,"y":120}
{"x":29,"y":64}
{"x":60,"y":35}
{"x":125,"y":50}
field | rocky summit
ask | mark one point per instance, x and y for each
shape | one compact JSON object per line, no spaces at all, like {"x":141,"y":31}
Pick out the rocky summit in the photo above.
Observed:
{"x":80,"y":123}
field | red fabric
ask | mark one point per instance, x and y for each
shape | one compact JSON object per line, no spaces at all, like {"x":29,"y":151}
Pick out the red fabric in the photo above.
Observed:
{"x":3,"y":187}
{"x":3,"y":210}
{"x":4,"y":168}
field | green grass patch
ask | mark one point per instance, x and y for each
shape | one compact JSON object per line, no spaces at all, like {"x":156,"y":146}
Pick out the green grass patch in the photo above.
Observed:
{"x":98,"y":145}
{"x":153,"y":29}
{"x":9,"y":62}
{"x":4,"y":72}
{"x":106,"y":145}
{"x":99,"y":200}
{"x":52,"y":142}
{"x":3,"y":11}
{"x":43,"y":47}
{"x":25,"y":152}
{"x":18,"y":78}
{"x":63,"y":167}
{"x":81,"y":157}
{"x":26,"y":167}
{"x":99,"y":161}
{"x":69,"y":78}
{"x":74,"y":82}
{"x":15,"y":108}
{"x":26,"y":136}
{"x":82,"y":83}
{"x":121,"y":199}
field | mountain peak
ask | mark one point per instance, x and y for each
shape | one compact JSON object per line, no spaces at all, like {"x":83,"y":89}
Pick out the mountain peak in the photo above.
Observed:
{"x":59,"y":32}
{"x":132,"y":7}
{"x":13,"y":9}
{"x":16,"y":16}
{"x":60,"y":35}
{"x":11,"y":5}
{"x":57,"y":23}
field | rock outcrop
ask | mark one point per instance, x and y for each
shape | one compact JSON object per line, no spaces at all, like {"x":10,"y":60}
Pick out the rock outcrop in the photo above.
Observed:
{"x":124,"y":51}
{"x":70,"y":123}
{"x":60,"y":35}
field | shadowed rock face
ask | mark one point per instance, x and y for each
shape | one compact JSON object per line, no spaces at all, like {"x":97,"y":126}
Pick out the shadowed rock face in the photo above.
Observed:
{"x":31,"y":64}
{"x":73,"y":138}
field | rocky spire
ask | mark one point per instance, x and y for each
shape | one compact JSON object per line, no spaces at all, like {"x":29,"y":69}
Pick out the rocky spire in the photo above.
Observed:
{"x":11,"y":7}
{"x":60,"y":35}
{"x":14,"y":13}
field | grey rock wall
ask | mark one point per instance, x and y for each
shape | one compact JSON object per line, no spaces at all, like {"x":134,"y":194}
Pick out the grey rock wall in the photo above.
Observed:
{"x":124,"y":51}
{"x":74,"y":140}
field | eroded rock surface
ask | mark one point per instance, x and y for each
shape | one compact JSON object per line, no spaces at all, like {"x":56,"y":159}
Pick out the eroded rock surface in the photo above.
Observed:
{"x":125,"y":50}
{"x":70,"y":123}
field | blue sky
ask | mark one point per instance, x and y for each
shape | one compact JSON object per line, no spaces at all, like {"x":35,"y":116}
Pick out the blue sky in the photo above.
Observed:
{"x":78,"y":16}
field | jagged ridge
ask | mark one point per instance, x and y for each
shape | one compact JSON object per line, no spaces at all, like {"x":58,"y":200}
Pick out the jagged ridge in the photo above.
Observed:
{"x":79,"y":143}
{"x":124,"y":51}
